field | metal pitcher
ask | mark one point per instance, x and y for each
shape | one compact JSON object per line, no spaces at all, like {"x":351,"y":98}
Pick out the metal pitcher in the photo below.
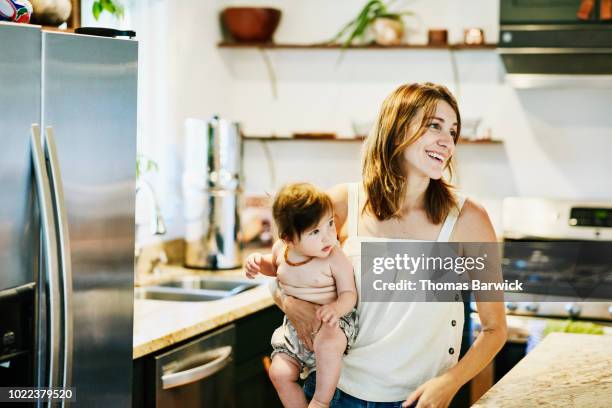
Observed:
{"x":212,"y":188}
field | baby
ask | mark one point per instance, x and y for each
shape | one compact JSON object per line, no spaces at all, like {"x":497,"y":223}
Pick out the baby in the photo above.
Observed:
{"x":309,"y":265}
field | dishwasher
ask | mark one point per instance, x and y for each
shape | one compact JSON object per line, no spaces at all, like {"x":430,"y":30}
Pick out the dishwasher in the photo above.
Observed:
{"x":199,"y":373}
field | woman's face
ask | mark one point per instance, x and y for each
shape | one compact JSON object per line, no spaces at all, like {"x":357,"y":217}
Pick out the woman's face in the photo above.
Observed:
{"x":430,"y":154}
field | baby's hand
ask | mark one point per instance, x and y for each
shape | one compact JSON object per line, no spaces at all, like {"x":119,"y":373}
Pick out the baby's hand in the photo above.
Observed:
{"x":253,"y":265}
{"x":328,"y":314}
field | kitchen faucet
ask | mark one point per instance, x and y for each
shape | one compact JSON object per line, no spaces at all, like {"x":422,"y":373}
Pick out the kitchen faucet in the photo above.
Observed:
{"x":157,"y":228}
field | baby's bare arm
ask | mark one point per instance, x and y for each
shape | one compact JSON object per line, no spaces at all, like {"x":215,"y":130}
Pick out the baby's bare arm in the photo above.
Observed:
{"x":342,"y":271}
{"x":268,"y":264}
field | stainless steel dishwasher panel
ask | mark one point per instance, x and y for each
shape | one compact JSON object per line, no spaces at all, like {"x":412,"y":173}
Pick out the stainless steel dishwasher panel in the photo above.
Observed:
{"x":199,"y":373}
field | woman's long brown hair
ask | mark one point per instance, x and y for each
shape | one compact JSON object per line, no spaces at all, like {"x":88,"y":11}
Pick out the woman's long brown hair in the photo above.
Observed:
{"x":383,"y":177}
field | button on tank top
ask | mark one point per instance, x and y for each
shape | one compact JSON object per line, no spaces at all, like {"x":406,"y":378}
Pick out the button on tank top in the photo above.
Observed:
{"x":400,"y":345}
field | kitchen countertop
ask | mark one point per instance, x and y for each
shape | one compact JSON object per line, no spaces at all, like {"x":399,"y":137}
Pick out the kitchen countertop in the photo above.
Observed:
{"x":159,"y":324}
{"x":564,"y":370}
{"x":519,"y":326}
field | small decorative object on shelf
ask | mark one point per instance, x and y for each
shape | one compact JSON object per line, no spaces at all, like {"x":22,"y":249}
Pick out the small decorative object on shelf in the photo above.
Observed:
{"x":51,"y":12}
{"x":250,"y":24}
{"x":387,"y":31}
{"x":386,"y":27}
{"x":437,"y":36}
{"x":17,"y":11}
{"x":473,"y":36}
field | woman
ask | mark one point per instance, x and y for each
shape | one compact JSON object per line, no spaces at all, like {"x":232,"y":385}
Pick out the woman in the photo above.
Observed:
{"x":407,"y":353}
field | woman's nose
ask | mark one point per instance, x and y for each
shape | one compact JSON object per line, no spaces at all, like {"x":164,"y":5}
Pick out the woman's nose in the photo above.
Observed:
{"x":446,"y":140}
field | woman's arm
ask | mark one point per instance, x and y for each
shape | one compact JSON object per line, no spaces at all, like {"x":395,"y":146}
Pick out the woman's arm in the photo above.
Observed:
{"x":339,"y":197}
{"x":473,"y":225}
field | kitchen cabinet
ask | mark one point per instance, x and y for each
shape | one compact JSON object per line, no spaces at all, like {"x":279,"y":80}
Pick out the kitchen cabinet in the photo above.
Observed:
{"x":543,"y":11}
{"x":253,"y":386}
{"x":249,"y":381}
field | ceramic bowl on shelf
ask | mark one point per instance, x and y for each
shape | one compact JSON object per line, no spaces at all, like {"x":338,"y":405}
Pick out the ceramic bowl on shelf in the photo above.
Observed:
{"x":251,"y":24}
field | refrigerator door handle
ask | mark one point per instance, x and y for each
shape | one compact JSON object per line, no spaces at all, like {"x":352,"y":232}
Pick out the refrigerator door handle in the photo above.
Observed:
{"x":63,"y":238}
{"x":51,"y":257}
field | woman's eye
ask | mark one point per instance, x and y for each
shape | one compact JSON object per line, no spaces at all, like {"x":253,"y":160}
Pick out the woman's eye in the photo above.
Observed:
{"x":314,"y":232}
{"x":453,"y":134}
{"x":434,"y":126}
{"x":331,"y":222}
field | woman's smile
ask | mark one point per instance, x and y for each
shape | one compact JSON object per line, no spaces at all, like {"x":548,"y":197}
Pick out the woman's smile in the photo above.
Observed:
{"x":438,"y":158}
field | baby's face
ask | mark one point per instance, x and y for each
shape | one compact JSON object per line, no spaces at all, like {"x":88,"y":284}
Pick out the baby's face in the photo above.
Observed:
{"x":319,"y":240}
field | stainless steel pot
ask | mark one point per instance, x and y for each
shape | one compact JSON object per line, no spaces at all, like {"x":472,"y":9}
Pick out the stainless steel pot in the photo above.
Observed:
{"x":212,"y":188}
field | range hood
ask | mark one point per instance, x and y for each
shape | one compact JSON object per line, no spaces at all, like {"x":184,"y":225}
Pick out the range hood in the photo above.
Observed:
{"x":565,"y":55}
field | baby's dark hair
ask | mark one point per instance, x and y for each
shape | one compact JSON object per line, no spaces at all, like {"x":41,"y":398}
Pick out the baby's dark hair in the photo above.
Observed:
{"x":298,"y":207}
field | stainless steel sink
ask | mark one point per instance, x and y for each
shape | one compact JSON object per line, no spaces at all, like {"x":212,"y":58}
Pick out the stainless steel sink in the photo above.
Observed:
{"x":193,"y":289}
{"x":210,"y":284}
{"x":159,"y":293}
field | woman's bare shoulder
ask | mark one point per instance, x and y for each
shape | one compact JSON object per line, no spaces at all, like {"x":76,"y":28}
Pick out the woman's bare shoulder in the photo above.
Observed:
{"x":473,"y":224}
{"x":339,"y":197}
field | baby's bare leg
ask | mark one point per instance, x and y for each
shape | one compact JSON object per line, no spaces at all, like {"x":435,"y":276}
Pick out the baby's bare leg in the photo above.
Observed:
{"x":284,"y":372}
{"x":329,"y":346}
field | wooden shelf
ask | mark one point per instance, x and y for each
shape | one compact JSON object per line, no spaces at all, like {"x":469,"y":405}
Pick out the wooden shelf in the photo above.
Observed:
{"x":354,"y":139}
{"x":308,"y":139}
{"x":328,"y":46}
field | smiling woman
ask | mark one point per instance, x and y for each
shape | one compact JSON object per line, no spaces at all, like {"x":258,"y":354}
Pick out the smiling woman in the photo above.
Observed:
{"x":407,"y":353}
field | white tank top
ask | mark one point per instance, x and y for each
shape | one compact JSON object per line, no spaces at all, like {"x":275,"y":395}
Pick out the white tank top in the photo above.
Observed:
{"x":400,"y":345}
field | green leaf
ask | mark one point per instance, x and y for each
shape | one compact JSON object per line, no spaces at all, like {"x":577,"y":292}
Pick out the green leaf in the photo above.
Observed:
{"x":96,"y":9}
{"x":119,"y":10}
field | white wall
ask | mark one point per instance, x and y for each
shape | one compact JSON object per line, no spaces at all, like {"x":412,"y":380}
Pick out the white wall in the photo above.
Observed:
{"x":556,"y":141}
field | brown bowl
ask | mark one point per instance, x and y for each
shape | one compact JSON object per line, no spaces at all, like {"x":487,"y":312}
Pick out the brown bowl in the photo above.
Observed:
{"x":251,"y":24}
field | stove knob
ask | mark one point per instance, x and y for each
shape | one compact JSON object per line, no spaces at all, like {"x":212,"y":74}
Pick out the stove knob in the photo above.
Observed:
{"x":511,"y":306}
{"x":573,"y":309}
{"x":532,"y":307}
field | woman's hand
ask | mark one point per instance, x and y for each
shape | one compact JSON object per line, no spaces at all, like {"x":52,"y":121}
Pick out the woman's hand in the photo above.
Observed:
{"x":435,"y":393}
{"x":302,"y":316}
{"x":328,"y":314}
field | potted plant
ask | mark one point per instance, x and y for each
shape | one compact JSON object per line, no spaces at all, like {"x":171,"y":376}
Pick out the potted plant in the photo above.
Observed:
{"x":375,"y":17}
{"x":112,"y":6}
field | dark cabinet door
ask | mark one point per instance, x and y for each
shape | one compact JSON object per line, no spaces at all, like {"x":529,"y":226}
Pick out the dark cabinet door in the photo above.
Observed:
{"x":253,"y":386}
{"x":542,"y":11}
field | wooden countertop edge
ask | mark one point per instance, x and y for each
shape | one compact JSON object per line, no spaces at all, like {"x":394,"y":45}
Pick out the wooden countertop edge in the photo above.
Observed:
{"x":230,"y":315}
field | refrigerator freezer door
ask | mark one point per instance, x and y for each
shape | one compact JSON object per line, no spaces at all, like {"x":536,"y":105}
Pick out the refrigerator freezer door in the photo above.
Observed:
{"x":89,"y":98}
{"x":20,"y":103}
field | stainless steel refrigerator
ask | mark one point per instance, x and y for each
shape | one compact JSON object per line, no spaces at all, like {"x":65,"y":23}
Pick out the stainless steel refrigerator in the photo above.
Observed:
{"x":67,"y":178}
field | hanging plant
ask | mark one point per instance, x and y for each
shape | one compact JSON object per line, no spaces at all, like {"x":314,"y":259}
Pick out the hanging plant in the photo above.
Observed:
{"x":112,"y":6}
{"x":388,"y":26}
